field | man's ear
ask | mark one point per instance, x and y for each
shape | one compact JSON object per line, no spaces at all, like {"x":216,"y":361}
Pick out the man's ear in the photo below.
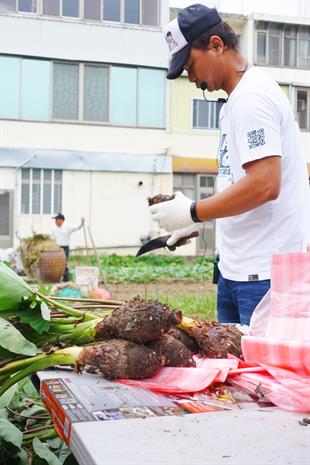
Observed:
{"x":216,"y":44}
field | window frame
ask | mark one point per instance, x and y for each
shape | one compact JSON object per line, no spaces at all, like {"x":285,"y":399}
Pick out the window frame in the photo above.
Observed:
{"x":30,"y":191}
{"x":307,"y":90}
{"x":266,"y":31}
{"x":216,"y":129}
{"x":80,"y":17}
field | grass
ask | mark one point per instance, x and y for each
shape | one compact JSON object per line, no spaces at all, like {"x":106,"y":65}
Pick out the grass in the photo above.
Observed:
{"x":149,"y":268}
{"x":202,"y":306}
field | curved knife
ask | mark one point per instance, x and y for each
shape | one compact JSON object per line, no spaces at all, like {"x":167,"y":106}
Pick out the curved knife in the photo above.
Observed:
{"x":161,"y":242}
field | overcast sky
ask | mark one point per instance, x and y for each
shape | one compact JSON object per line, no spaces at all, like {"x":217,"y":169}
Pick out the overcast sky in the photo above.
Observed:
{"x":277,"y":7}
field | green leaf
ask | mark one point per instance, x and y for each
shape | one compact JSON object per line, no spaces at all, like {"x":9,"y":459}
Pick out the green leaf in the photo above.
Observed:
{"x":42,"y":454}
{"x":45,"y":312}
{"x":26,"y":387}
{"x":34,"y":319}
{"x":12,"y":340}
{"x":10,"y":437}
{"x":3,"y":413}
{"x":12,"y":288}
{"x":7,"y":397}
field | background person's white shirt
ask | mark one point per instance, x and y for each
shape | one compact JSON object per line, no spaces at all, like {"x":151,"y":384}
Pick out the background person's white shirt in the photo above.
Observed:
{"x":61,"y":234}
{"x":257,"y":121}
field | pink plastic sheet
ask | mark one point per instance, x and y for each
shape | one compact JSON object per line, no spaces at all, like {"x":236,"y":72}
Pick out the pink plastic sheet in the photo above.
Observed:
{"x":279,"y":339}
{"x":177,"y":380}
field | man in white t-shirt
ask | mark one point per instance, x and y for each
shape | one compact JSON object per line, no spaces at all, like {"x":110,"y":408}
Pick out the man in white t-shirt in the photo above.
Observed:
{"x":262,"y":204}
{"x":61,"y":232}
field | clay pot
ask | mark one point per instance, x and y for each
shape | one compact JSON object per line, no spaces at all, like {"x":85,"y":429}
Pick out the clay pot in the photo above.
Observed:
{"x":51,"y":266}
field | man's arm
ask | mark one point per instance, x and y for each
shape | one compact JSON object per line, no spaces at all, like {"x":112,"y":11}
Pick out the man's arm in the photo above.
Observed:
{"x":261,"y":184}
{"x":76,"y":227}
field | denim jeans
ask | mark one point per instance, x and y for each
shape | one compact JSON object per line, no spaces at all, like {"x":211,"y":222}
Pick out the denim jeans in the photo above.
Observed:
{"x":236,"y":300}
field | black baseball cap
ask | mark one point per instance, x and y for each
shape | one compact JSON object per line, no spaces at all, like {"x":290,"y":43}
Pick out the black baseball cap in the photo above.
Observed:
{"x":59,"y":216}
{"x":190,"y":23}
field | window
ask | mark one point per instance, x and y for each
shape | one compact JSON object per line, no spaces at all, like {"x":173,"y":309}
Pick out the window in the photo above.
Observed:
{"x":92,"y":93}
{"x":7,"y":5}
{"x":303,"y":108}
{"x":92,"y":9}
{"x":282,"y":44}
{"x":261,"y":42}
{"x":29,"y":6}
{"x":51,"y":7}
{"x":197,"y":187}
{"x":290,"y":42}
{"x":124,"y":104}
{"x":132,"y":11}
{"x":65,"y":91}
{"x":112,"y":10}
{"x":24,"y":88}
{"x":71,"y":8}
{"x":206,"y":114}
{"x":151,"y":97}
{"x":304,"y":47}
{"x":41,"y":191}
{"x":96,"y":89}
{"x":275,"y":48}
{"x":150,"y":13}
{"x":186,"y":183}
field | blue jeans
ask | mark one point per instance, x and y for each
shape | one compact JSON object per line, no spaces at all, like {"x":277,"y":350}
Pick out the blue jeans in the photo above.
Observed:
{"x":236,"y":300}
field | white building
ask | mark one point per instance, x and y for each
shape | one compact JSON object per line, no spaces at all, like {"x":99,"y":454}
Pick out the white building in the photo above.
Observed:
{"x":83,"y":116}
{"x":89,"y":125}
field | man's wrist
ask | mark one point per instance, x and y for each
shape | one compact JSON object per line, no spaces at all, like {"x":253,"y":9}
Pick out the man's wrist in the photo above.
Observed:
{"x":194,"y":212}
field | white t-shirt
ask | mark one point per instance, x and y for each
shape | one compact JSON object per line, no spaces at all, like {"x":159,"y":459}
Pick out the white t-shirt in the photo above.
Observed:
{"x":256,"y":122}
{"x":61,"y":234}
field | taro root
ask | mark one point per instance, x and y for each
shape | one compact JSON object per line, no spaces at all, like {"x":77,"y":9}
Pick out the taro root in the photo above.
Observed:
{"x":172,"y":352}
{"x":159,"y":198}
{"x":138,"y":321}
{"x":188,"y":341}
{"x":118,"y":358}
{"x":215,"y":340}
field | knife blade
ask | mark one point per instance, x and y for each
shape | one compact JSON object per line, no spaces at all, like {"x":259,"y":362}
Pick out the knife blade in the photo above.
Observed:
{"x":161,"y":242}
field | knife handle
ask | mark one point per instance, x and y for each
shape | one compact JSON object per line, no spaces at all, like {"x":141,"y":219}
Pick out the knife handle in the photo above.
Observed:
{"x":183,"y":240}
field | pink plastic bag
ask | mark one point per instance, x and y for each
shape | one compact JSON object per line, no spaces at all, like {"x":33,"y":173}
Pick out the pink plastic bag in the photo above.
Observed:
{"x":290,"y":297}
{"x":284,"y":312}
{"x":279,"y":337}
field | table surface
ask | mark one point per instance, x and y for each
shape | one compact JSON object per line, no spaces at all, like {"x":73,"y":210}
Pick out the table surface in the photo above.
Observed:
{"x":237,"y":437}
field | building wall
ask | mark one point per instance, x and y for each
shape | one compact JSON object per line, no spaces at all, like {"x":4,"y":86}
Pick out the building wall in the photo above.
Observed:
{"x":114,"y":205}
{"x":81,"y":137}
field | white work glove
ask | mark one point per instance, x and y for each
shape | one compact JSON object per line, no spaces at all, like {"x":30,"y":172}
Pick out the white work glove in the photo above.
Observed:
{"x":192,"y":231}
{"x":173,"y":214}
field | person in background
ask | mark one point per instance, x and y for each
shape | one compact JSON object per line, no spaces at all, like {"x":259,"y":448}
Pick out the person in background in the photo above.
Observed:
{"x":262,"y":203}
{"x":61,"y":232}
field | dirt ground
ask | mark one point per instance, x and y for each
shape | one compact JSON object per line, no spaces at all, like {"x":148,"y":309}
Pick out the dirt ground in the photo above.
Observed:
{"x":127,"y":291}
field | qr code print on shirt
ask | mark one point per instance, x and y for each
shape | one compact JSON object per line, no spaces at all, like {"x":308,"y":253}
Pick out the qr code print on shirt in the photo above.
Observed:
{"x":256,"y":138}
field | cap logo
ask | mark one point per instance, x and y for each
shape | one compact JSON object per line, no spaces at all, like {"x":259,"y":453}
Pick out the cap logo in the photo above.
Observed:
{"x":174,"y":37}
{"x":172,"y":44}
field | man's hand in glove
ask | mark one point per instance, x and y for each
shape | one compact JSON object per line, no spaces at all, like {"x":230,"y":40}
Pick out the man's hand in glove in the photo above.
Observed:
{"x":174,"y":214}
{"x":190,"y":231}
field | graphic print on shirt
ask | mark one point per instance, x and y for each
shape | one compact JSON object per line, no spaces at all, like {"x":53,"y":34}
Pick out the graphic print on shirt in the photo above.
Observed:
{"x":224,"y":165}
{"x":256,"y":138}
